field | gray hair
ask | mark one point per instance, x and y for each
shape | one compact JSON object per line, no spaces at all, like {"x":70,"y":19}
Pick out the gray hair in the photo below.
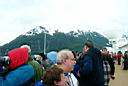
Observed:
{"x":63,"y":55}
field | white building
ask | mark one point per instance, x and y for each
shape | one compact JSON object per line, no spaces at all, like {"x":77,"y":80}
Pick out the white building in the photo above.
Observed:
{"x":124,"y":47}
{"x":120,"y":44}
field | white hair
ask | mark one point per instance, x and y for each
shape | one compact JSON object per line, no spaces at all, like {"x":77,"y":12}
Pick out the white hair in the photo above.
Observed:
{"x":26,"y":46}
{"x":63,"y":55}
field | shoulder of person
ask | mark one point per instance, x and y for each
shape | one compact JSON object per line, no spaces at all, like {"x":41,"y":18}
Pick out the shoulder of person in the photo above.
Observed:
{"x":74,"y":79}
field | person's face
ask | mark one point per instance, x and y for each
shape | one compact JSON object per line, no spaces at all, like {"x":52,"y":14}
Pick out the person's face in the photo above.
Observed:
{"x":85,"y":49}
{"x":39,"y":58}
{"x":104,"y":52}
{"x":70,"y":62}
{"x":62,"y":82}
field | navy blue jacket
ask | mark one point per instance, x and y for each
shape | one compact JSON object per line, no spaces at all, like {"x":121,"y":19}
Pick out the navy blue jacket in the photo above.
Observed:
{"x":91,"y":69}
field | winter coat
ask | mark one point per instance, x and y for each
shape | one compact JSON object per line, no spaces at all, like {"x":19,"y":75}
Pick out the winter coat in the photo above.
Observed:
{"x":38,"y":70}
{"x":91,"y":69}
{"x":19,"y":71}
{"x":18,"y":76}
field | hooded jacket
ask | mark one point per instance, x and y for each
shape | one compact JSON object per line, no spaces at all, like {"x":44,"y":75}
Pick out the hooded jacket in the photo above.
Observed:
{"x":18,"y":57}
{"x":20,"y":72}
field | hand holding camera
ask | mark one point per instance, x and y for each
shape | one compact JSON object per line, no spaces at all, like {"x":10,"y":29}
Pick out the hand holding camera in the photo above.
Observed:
{"x":4,"y":62}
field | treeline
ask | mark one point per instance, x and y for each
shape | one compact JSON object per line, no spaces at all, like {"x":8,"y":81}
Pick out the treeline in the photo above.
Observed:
{"x":58,"y":40}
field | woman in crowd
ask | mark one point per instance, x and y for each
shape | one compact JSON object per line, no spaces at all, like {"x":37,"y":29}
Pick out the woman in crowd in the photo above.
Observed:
{"x":53,"y":76}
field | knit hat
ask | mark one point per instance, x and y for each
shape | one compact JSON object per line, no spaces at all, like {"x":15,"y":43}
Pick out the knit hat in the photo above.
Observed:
{"x":52,"y":57}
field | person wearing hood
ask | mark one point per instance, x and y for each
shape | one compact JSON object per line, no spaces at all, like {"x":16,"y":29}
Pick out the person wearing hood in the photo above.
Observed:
{"x":19,"y":72}
{"x":90,"y":72}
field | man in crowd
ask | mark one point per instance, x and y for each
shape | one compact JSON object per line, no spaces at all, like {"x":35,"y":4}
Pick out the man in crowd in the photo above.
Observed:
{"x":66,"y":61}
{"x":90,"y":71}
{"x":108,"y":66}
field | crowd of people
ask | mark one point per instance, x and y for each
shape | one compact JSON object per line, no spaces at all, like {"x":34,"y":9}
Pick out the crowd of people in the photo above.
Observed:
{"x":121,"y":58}
{"x":92,"y":67}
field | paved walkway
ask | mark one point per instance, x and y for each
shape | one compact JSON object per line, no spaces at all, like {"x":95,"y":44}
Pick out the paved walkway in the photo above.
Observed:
{"x":121,"y":77}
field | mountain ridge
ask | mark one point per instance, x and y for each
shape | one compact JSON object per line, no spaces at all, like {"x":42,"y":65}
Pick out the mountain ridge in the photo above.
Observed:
{"x":73,"y":40}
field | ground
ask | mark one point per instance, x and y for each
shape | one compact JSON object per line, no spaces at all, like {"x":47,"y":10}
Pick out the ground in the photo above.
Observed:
{"x":121,"y":77}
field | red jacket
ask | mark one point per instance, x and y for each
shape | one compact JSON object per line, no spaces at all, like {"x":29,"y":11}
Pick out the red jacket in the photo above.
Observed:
{"x":119,"y":56}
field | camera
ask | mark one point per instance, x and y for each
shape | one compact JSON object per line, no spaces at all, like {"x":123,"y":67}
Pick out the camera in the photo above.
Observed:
{"x":4,"y":62}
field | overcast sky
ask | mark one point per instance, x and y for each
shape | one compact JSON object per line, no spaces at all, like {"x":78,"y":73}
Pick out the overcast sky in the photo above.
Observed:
{"x":108,"y":17}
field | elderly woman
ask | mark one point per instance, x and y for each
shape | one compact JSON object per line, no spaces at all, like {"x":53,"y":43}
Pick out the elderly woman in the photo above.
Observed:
{"x":54,"y":77}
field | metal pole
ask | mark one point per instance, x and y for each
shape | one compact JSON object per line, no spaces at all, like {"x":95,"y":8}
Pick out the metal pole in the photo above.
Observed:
{"x":44,"y":42}
{"x":39,"y":44}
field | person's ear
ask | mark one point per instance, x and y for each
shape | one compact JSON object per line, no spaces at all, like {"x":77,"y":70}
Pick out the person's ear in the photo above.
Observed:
{"x":64,"y":61}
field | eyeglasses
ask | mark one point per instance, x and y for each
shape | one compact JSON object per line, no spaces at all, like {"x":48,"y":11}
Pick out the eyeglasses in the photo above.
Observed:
{"x":73,"y":59}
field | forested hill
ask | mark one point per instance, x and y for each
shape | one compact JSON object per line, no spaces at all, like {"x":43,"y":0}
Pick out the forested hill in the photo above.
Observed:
{"x":58,"y":40}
